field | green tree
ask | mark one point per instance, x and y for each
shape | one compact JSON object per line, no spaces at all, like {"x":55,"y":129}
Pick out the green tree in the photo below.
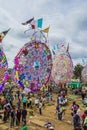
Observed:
{"x":77,"y":71}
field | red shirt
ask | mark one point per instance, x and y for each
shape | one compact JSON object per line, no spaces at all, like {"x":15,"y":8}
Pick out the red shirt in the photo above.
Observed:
{"x":83,"y":116}
{"x":63,"y":95}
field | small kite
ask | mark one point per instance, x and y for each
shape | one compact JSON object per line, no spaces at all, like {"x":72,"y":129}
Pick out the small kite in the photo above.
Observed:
{"x":3,"y":34}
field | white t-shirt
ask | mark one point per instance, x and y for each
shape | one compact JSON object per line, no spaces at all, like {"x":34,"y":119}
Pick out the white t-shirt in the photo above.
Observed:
{"x":36,"y":101}
{"x":79,"y":112}
{"x":40,"y":105}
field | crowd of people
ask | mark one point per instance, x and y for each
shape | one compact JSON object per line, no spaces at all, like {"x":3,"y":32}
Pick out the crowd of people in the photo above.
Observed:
{"x":11,"y":111}
{"x":17,"y":112}
{"x":14,"y":106}
{"x":79,"y":117}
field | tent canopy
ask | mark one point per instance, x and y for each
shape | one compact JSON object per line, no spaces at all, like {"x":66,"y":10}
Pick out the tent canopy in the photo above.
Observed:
{"x":75,"y":84}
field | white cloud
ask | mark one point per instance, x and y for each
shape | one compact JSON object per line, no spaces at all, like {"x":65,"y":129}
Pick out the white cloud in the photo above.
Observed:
{"x":67,"y":20}
{"x":15,"y":38}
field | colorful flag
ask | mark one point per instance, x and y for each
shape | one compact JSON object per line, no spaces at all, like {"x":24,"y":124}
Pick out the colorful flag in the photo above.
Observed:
{"x":55,"y":47}
{"x":36,"y":23}
{"x":28,"y":22}
{"x":33,"y":24}
{"x":46,"y":30}
{"x":39,"y":23}
{"x":3,"y":34}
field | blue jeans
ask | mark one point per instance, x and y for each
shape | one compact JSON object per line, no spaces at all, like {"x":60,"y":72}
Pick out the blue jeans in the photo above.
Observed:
{"x":60,"y":115}
{"x":12,"y":121}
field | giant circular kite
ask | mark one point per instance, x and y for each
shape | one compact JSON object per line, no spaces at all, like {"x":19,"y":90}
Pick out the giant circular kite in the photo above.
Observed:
{"x":84,"y":74}
{"x":3,"y":69}
{"x":33,"y":65}
{"x":62,"y":70}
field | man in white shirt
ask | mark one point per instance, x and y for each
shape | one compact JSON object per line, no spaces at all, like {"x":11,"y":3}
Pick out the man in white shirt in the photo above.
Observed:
{"x":40,"y":108}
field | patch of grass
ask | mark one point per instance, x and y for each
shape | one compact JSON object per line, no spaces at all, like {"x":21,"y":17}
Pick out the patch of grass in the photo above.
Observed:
{"x":73,"y":97}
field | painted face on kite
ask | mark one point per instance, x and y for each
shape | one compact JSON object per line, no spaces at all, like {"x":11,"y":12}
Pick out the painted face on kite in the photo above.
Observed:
{"x":62,"y":70}
{"x":84,"y":73}
{"x":3,"y":69}
{"x":33,"y":65}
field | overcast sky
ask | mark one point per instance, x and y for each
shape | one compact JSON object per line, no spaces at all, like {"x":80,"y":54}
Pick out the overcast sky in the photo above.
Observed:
{"x":67,"y":20}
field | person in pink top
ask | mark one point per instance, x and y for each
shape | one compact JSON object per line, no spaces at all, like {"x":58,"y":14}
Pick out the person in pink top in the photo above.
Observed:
{"x":83,"y":116}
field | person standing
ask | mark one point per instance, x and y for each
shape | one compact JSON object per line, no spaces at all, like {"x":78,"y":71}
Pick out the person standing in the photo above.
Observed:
{"x":28,"y":102}
{"x":18,"y":116}
{"x":83,"y":95}
{"x":12,"y":116}
{"x":40,"y":108}
{"x":76,"y":121}
{"x":78,"y":110}
{"x":83,"y":116}
{"x":24,"y":101}
{"x":85,"y":122}
{"x":19,"y":103}
{"x":60,"y":110}
{"x":24,"y":114}
{"x":5,"y":115}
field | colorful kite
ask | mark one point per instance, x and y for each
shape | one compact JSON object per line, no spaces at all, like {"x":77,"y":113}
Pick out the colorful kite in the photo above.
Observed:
{"x":62,"y":70}
{"x":3,"y":34}
{"x":3,"y":69}
{"x":33,"y":65}
{"x":3,"y":63}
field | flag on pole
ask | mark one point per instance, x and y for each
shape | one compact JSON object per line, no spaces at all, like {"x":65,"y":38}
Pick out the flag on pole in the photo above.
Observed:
{"x":46,"y":30}
{"x":39,"y":22}
{"x":3,"y":34}
{"x":28,"y":22}
{"x":33,"y":24}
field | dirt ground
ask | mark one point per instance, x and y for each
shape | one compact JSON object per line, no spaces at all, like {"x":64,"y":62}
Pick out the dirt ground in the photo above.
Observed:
{"x":37,"y":121}
{"x":49,"y":114}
